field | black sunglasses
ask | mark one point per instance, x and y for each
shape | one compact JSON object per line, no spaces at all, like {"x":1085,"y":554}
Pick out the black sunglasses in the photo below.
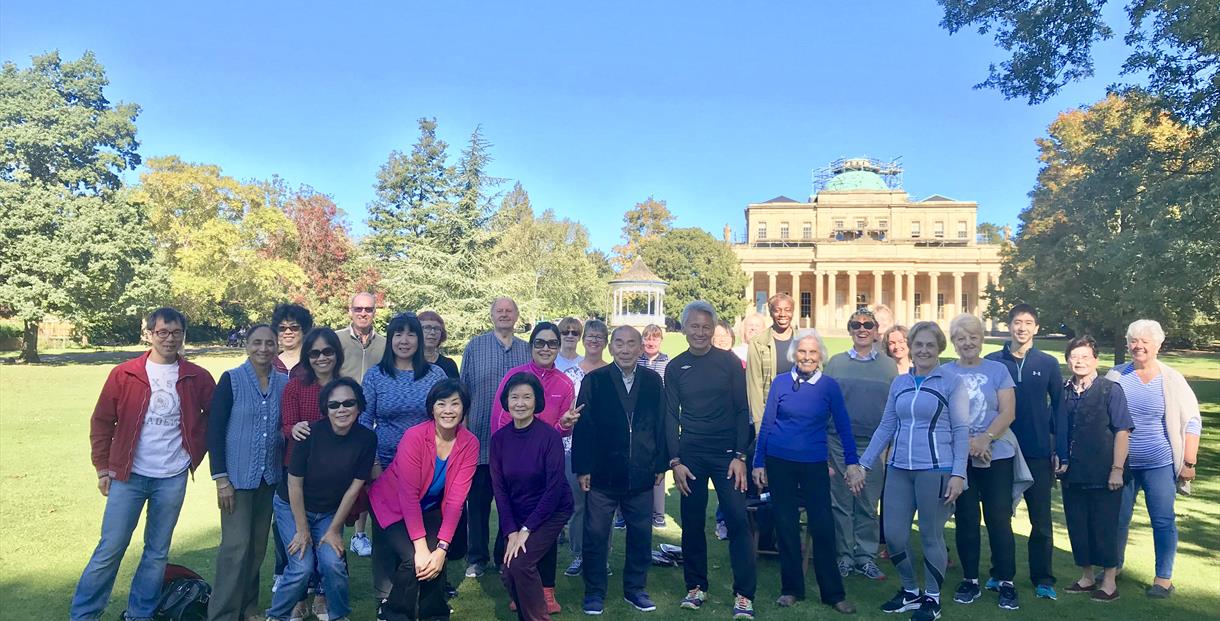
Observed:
{"x":314,"y":354}
{"x":346,"y":403}
{"x":545,"y":343}
{"x":363,"y":309}
{"x":856,"y":325}
{"x":570,"y":333}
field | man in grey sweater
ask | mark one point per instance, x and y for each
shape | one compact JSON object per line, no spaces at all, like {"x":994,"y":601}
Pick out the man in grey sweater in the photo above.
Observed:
{"x":864,"y":375}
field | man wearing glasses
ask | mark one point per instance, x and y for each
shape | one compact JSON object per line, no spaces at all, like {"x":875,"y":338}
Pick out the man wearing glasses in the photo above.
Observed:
{"x":864,"y":375}
{"x":362,"y":346}
{"x":148,"y":430}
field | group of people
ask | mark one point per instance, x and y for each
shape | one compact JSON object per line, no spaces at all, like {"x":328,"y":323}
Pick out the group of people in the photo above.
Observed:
{"x":320,"y":429}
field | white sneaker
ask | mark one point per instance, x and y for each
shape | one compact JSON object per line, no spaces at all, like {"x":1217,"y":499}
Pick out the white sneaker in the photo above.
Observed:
{"x":360,"y":545}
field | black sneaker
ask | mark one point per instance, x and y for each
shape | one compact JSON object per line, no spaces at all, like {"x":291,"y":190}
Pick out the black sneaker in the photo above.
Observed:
{"x":903,"y":601}
{"x":1008,"y":597}
{"x":929,"y":610}
{"x":967,"y":592}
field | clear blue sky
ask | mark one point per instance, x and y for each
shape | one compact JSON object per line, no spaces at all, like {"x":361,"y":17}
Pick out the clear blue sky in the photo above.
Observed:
{"x":592,"y":106}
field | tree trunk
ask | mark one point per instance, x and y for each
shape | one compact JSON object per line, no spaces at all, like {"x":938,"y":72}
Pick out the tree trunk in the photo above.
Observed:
{"x":29,"y":352}
{"x":1120,"y":349}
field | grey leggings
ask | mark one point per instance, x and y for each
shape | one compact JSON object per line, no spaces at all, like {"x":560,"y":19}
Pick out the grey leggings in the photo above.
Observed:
{"x":907,"y":491}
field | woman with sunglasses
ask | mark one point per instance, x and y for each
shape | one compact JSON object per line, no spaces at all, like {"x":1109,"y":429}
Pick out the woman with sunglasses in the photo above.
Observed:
{"x":247,"y":463}
{"x":435,"y":336}
{"x":323,"y":354}
{"x":417,"y":504}
{"x":570,"y":331}
{"x":558,"y":412}
{"x":290,"y":322}
{"x":397,"y":393}
{"x":328,"y":469}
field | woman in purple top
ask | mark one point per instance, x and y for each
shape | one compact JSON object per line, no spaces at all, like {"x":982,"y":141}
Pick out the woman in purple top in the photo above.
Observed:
{"x":531,"y":490}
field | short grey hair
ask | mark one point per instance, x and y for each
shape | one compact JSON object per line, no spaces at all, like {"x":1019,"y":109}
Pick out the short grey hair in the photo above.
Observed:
{"x":967,"y":322}
{"x":698,"y":306}
{"x":626,"y":327}
{"x":807,"y":333}
{"x":503,"y":297}
{"x":1146,"y":329}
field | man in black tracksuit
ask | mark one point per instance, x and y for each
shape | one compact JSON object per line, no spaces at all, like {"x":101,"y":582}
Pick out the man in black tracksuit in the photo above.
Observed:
{"x":618,"y":454}
{"x":1039,"y":388}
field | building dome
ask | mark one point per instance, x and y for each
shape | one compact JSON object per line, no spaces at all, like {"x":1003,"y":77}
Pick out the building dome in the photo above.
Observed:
{"x":855,"y":180}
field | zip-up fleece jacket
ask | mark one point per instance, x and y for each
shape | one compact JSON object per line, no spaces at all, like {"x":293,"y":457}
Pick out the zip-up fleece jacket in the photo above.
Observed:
{"x":118,"y":416}
{"x":928,"y":426}
{"x":1039,"y":388}
{"x":620,"y":437}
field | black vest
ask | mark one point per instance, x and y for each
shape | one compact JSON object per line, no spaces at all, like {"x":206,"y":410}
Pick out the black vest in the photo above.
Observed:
{"x":1091,"y":443}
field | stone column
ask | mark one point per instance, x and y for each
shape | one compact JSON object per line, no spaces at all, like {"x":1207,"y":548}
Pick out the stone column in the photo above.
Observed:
{"x":832,"y":301}
{"x":981,"y":285}
{"x":851,"y":292}
{"x":900,"y":304}
{"x":957,"y":293}
{"x":750,"y":289}
{"x":911,"y":297}
{"x":771,"y":284}
{"x":877,"y":277}
{"x":815,"y":312}
{"x":796,"y":298}
{"x":934,"y":288}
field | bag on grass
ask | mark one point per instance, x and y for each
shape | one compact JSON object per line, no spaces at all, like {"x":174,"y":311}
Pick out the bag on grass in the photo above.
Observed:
{"x":184,"y":597}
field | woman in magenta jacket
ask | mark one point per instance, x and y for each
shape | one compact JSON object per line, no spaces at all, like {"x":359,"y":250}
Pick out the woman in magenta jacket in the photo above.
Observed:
{"x":417,"y":503}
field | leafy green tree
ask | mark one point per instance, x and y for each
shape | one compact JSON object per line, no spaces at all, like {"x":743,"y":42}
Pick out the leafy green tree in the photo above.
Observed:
{"x":412,"y":191}
{"x":697,"y":266}
{"x":72,"y":245}
{"x":990,"y":232}
{"x":644,"y":222}
{"x":1124,"y":224}
{"x":1172,"y":42}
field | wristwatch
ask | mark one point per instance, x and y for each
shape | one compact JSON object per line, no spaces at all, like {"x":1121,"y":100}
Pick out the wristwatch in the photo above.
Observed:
{"x":525,"y":529}
{"x":1188,"y":464}
{"x":741,"y":456}
{"x":675,"y":462}
{"x":442,"y":545}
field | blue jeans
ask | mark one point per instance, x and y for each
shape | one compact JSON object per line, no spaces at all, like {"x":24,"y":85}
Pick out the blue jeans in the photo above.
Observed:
{"x":300,"y":568}
{"x":124,"y":505}
{"x":1159,"y":486}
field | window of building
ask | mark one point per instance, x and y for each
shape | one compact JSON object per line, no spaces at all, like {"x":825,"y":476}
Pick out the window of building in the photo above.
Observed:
{"x":762,"y":231}
{"x":918,"y":306}
{"x":938,"y":229}
{"x":965,"y":303}
{"x":915,"y":232}
{"x":861,"y":223}
{"x":783,"y":230}
{"x":838,"y":224}
{"x":940,"y":306}
{"x":861,"y":301}
{"x":807,"y":230}
{"x":962,"y":231}
{"x":806,"y":304}
{"x":883,"y":223}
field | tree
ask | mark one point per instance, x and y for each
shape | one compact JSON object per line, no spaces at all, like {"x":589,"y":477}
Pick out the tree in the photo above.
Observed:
{"x":990,"y":233}
{"x":1124,"y":224}
{"x":411,"y":191}
{"x":644,"y":222}
{"x":1173,"y":42}
{"x":323,"y":249}
{"x":697,"y":267}
{"x":72,"y":245}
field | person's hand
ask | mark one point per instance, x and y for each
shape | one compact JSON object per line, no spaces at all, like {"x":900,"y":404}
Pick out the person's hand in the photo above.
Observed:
{"x":737,"y":473}
{"x":682,"y":477}
{"x":760,"y":477}
{"x":855,"y":478}
{"x":1061,"y":467}
{"x":1187,"y":473}
{"x":429,"y":565}
{"x":515,"y":545}
{"x":660,"y":478}
{"x":300,"y":542}
{"x":954,"y":489}
{"x":569,"y":418}
{"x":333,"y":539}
{"x":103,"y":484}
{"x":226,"y":496}
{"x":300,"y":431}
{"x":1054,"y":462}
{"x":583,"y":480}
{"x":1116,"y":479}
{"x":376,"y":472}
{"x":980,"y":446}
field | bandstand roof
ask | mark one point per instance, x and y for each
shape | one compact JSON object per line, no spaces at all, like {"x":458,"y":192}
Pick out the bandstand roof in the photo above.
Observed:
{"x":638,"y":273}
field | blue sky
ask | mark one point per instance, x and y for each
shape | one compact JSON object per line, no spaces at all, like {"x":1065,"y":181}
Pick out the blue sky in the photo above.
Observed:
{"x":591,"y":106}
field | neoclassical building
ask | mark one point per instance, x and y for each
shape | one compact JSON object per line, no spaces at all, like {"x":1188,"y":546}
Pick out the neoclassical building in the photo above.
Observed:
{"x":860,"y":240}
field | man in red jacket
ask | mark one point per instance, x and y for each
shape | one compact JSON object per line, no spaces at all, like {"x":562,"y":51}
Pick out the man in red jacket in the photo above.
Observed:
{"x":147,"y":431}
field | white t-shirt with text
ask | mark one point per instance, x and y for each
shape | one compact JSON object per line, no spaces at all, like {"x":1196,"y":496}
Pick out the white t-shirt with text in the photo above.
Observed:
{"x":160,"y":452}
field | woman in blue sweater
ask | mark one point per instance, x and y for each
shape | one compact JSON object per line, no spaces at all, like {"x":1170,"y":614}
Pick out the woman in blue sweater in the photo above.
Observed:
{"x":791,"y":459}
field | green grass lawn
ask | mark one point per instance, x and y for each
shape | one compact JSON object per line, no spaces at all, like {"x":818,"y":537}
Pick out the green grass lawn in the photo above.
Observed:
{"x":52,"y":512}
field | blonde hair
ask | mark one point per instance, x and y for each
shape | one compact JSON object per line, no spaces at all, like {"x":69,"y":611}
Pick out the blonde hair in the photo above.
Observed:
{"x":967,"y":322}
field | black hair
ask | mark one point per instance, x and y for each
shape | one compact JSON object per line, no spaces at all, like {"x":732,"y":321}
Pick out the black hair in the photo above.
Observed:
{"x":524,"y":378}
{"x":167,"y":315}
{"x":291,"y":311}
{"x":324,"y":396}
{"x":331,"y":339}
{"x":1022,"y":309}
{"x":539,"y":327}
{"x":258,"y":326}
{"x":1077,"y":343}
{"x":443,"y":390}
{"x":404,"y":322}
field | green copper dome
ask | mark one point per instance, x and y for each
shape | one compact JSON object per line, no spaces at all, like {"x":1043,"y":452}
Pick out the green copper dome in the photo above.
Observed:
{"x":855,"y":180}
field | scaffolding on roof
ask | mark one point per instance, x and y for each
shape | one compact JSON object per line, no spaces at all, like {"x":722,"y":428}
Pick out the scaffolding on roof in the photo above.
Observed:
{"x":890,"y":172}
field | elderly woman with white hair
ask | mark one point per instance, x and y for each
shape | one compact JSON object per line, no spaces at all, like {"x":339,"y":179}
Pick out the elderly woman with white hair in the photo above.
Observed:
{"x":792,"y":458}
{"x":1163,"y":448}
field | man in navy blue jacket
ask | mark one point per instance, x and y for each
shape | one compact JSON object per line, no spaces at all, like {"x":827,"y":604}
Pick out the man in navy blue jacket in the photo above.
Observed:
{"x":1039,"y":386}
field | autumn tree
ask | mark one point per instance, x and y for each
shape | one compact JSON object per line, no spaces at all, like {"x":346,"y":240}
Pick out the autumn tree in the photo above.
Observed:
{"x":697,"y":266}
{"x":322,"y":247}
{"x":646,"y":221}
{"x":73,"y":245}
{"x":1124,"y":224}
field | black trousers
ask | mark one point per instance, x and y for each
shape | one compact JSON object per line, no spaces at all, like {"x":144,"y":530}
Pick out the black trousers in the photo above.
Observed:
{"x":599,"y":516}
{"x":715,"y":466}
{"x":1041,"y":528}
{"x":992,"y":487}
{"x":1092,"y":523}
{"x":410,"y":599}
{"x":789,"y":482}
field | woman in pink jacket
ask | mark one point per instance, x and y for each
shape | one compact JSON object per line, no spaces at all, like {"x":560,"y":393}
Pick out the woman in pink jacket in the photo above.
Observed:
{"x":559,"y":397}
{"x":417,"y":503}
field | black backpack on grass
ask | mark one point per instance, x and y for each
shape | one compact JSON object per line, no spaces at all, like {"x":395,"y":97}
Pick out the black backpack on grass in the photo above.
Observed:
{"x":184,"y":596}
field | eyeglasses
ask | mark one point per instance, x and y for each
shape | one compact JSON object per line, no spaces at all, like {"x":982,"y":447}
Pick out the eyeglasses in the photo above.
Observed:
{"x":434,"y":329}
{"x":570,"y":333}
{"x":546,"y":344}
{"x":363,"y":309}
{"x":164,"y":334}
{"x":856,"y":325}
{"x":290,"y":327}
{"x":314,"y":354}
{"x":346,"y":403}
{"x":595,"y":337}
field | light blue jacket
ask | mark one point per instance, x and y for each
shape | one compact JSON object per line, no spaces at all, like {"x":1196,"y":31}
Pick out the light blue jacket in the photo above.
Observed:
{"x":928,"y":426}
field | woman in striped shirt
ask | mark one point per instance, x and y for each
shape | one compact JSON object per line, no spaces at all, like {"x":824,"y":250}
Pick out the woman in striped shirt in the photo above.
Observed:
{"x":1163,"y":447}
